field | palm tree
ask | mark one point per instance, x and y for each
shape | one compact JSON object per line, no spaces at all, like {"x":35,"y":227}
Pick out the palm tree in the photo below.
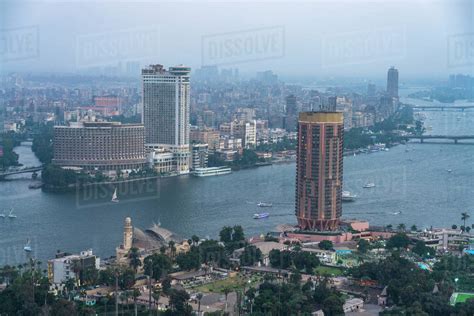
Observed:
{"x":464,"y":217}
{"x":172,"y":248}
{"x":389,"y":227}
{"x":226,"y":290}
{"x":414,"y":228}
{"x":199,"y":298}
{"x":135,"y":294}
{"x":134,"y":257}
{"x":401,"y":227}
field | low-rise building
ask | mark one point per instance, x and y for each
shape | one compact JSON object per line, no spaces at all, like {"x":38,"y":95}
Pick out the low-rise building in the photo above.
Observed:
{"x":65,"y":267}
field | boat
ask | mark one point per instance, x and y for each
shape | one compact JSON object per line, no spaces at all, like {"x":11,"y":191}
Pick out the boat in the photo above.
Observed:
{"x":260,"y":215}
{"x":2,"y":215}
{"x":449,"y":170}
{"x":348,"y":196}
{"x":211,"y":171}
{"x":369,"y":185}
{"x":27,"y":247}
{"x":262,"y":204}
{"x":114,"y":197}
{"x":11,"y":215}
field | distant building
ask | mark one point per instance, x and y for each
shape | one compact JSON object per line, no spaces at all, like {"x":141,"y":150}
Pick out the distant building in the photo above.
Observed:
{"x":319,"y":170}
{"x":371,"y":89}
{"x":107,"y":105}
{"x":291,"y":113}
{"x":99,"y":146}
{"x":206,"y":136}
{"x":65,"y":267}
{"x":392,"y":82}
{"x":200,"y":154}
{"x":166,"y":111}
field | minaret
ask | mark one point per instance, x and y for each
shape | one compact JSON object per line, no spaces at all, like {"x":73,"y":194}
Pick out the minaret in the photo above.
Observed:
{"x":127,"y":234}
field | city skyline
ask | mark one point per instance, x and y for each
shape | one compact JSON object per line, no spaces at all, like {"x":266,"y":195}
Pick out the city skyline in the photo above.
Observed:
{"x":354,"y":47}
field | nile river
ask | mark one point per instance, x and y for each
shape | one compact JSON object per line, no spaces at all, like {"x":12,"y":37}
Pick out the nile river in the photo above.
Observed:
{"x":413,"y":186}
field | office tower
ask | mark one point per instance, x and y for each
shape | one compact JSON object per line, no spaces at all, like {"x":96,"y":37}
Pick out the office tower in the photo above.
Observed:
{"x":166,"y":111}
{"x":392,"y":82}
{"x":319,"y":170}
{"x":291,"y":112}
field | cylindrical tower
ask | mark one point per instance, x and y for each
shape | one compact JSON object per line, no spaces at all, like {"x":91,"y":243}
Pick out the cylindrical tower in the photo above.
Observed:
{"x":319,"y":170}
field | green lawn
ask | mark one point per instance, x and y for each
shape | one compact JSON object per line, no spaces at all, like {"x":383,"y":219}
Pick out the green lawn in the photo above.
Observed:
{"x":462,"y":297}
{"x":328,"y":271}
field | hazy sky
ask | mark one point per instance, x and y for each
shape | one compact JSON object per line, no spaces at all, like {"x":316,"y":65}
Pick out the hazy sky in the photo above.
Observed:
{"x":321,"y":38}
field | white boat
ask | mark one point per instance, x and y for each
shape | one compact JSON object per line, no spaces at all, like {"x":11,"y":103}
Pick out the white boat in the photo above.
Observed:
{"x":260,"y":215}
{"x":348,"y":196}
{"x":27,"y":247}
{"x":11,"y":215}
{"x":449,"y":170}
{"x":262,"y":204}
{"x":369,"y":185}
{"x":211,"y":171}
{"x":114,"y":197}
{"x":2,"y":215}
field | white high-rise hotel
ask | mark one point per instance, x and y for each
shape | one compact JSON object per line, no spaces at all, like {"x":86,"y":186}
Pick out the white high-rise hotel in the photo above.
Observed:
{"x":166,"y":110}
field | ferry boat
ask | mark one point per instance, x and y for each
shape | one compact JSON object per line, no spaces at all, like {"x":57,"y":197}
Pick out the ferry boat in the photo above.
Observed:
{"x":262,"y":204}
{"x":260,"y":215}
{"x":369,"y":185}
{"x":348,"y":196}
{"x":211,"y":171}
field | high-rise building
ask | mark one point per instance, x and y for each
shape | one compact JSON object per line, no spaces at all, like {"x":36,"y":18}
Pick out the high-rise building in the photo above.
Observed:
{"x":166,"y":111}
{"x":319,"y":170}
{"x":291,"y":112}
{"x":392,"y":82}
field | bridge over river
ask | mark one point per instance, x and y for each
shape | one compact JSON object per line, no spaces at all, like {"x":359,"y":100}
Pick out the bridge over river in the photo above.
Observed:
{"x":5,"y":174}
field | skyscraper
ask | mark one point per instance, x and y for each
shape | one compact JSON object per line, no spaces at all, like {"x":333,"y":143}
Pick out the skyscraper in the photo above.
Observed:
{"x":166,"y":111}
{"x":291,"y":112}
{"x":319,"y":170}
{"x":392,"y":82}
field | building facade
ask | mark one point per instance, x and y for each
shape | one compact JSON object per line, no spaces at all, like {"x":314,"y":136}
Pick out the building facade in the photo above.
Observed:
{"x":319,"y":170}
{"x":166,"y":111}
{"x":65,"y":267}
{"x":100,"y":146}
{"x":200,"y":154}
{"x":392,"y":82}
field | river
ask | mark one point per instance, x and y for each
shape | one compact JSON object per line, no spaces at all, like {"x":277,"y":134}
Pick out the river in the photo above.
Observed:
{"x":410,"y":179}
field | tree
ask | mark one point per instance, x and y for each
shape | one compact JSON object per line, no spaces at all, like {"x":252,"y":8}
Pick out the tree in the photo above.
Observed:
{"x":238,"y":234}
{"x":421,"y":249}
{"x":226,"y":234}
{"x":363,"y":245}
{"x":63,"y":307}
{"x":199,"y":297}
{"x":325,"y":245}
{"x":399,"y":240}
{"x":195,"y":239}
{"x":250,"y":256}
{"x":414,"y":228}
{"x":226,"y":290}
{"x":189,"y":260}
{"x":401,"y":227}
{"x":464,"y":217}
{"x":179,"y":302}
{"x":157,"y":265}
{"x":332,"y":306}
{"x":454,"y":226}
{"x":134,"y":258}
